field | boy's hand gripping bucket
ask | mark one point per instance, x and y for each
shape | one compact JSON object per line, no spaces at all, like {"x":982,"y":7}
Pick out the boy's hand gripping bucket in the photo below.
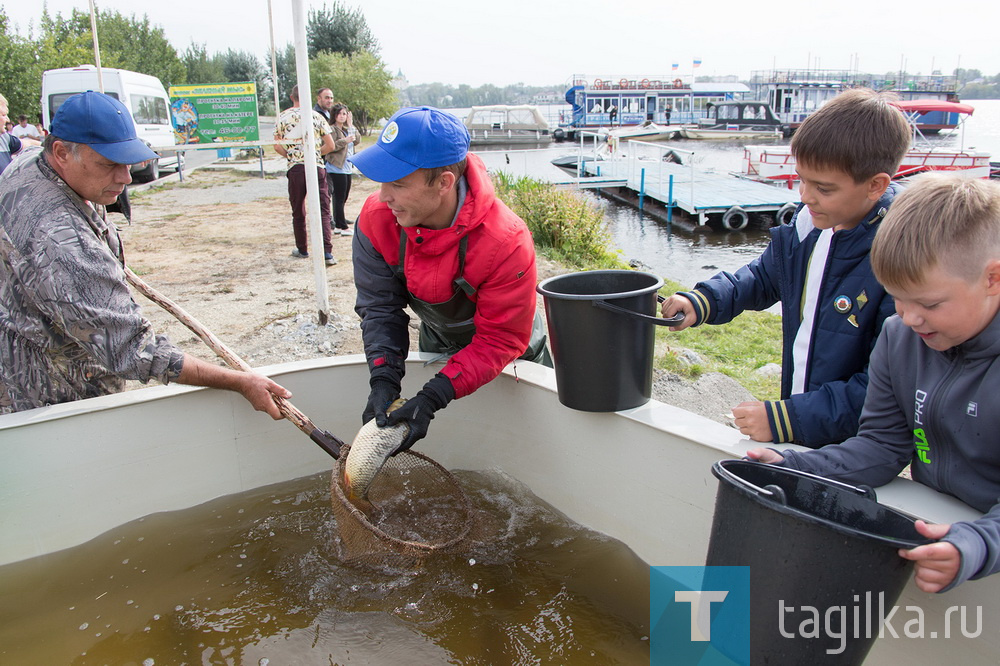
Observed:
{"x":601,"y":329}
{"x":812,"y":545}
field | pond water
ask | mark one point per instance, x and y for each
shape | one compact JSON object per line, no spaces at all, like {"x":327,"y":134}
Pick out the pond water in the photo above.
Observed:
{"x":255,"y":578}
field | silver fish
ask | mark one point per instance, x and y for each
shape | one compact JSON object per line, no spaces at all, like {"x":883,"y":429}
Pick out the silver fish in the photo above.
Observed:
{"x":369,"y":451}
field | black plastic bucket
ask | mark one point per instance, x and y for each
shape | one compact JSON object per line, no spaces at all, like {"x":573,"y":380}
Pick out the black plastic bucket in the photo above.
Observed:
{"x":601,"y":331}
{"x":812,"y":545}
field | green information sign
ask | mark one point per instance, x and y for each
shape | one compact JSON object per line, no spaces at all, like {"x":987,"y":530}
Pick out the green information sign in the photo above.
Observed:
{"x":214,"y":112}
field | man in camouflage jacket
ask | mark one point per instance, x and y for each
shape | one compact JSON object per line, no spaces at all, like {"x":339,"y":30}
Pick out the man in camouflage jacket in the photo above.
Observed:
{"x":69,"y":328}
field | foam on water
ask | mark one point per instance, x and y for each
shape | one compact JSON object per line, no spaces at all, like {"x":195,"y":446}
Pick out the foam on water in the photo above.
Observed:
{"x":256,"y":577}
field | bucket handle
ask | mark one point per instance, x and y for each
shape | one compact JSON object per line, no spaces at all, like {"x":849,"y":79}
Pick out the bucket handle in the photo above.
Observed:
{"x":776,"y":492}
{"x":769,"y":490}
{"x":659,"y":321}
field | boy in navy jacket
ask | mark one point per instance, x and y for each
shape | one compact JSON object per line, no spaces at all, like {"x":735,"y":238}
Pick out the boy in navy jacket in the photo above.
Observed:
{"x":817,"y":266}
{"x":935,"y":373}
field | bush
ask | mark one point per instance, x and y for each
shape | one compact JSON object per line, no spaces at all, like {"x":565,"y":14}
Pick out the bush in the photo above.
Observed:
{"x":566,"y":227}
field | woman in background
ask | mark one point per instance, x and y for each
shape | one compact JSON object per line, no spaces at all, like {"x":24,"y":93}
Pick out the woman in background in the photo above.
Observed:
{"x":338,"y":169}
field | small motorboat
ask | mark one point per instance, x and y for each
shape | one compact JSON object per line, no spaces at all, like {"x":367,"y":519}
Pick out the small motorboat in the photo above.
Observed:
{"x":737,"y":120}
{"x":646,"y":130}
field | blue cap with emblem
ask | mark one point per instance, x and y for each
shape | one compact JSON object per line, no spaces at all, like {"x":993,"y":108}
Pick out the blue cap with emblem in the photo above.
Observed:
{"x":103,"y":123}
{"x":414,"y":138}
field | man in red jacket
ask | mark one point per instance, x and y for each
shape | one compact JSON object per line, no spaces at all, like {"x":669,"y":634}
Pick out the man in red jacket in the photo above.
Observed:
{"x":436,"y":238}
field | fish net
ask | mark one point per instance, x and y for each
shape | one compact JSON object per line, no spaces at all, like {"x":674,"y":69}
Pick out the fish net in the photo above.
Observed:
{"x":414,"y":508}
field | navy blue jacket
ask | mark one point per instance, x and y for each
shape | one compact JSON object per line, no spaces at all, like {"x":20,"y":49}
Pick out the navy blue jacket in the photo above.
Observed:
{"x":845,"y":329}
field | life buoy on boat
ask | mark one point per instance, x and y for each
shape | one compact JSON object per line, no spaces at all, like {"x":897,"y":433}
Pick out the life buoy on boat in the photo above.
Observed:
{"x":678,"y":83}
{"x":598,"y":84}
{"x":644,"y":84}
{"x":623,"y":83}
{"x":785,"y":213}
{"x":735,"y":219}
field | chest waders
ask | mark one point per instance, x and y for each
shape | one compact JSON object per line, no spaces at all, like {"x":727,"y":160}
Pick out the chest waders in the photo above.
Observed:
{"x":447,"y":327}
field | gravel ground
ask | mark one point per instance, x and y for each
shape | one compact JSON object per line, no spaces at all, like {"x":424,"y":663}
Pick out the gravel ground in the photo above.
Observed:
{"x":219,"y":245}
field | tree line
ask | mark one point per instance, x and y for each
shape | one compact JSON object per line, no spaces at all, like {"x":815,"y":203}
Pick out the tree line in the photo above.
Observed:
{"x":440,"y":94}
{"x":343,"y":52}
{"x":973,"y":84}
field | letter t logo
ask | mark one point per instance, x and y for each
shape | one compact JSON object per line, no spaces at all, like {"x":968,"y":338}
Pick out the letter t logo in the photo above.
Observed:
{"x":701,"y":619}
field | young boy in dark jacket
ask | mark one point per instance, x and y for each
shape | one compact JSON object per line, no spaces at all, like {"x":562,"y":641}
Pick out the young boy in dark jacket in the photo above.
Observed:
{"x":817,"y":266}
{"x":935,"y":372}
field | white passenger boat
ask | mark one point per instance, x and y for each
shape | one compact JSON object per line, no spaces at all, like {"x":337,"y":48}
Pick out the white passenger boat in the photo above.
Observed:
{"x":70,"y":472}
{"x":796,"y":93}
{"x":502,"y":124}
{"x":612,"y":101}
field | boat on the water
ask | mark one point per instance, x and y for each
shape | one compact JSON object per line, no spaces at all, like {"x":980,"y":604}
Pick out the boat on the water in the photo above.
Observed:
{"x":614,"y":101}
{"x":503,"y":124}
{"x":776,"y":164}
{"x":737,"y":120}
{"x":71,"y":472}
{"x":795,"y":93}
{"x":647,"y":130}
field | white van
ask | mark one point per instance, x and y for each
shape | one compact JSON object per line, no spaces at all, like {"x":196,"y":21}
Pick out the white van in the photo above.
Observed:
{"x":142,"y":94}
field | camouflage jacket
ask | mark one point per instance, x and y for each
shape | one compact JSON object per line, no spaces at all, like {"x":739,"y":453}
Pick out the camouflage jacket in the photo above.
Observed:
{"x":69,"y":328}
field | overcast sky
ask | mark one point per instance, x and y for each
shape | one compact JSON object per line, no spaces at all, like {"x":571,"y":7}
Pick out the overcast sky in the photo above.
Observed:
{"x":545,"y":42}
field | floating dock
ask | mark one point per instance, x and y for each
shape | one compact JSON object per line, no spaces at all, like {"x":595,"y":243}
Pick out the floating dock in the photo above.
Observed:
{"x":698,"y":193}
{"x":649,"y":170}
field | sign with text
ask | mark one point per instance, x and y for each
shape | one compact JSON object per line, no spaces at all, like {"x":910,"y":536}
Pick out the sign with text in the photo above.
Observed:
{"x":214,"y":112}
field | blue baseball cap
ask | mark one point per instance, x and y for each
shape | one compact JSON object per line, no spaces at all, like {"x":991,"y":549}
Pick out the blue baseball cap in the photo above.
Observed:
{"x":414,"y":138}
{"x":103,"y":123}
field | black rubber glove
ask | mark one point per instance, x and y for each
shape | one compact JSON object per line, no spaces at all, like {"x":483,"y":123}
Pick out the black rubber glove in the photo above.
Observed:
{"x":385,"y":381}
{"x":383,"y":393}
{"x":419,"y":410}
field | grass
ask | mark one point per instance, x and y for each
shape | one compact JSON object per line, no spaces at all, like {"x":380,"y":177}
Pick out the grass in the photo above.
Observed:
{"x":737,"y":349}
{"x":570,"y":229}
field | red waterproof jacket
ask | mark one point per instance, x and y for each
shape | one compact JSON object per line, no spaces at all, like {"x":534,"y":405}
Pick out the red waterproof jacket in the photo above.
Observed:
{"x":499,"y":264}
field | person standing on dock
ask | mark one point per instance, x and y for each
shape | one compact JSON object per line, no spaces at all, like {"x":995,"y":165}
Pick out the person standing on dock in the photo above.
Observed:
{"x":817,"y":266}
{"x":435,"y":237}
{"x":69,"y":328}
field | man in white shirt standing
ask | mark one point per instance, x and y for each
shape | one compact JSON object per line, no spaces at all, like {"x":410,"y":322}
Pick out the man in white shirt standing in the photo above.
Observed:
{"x":23,"y":129}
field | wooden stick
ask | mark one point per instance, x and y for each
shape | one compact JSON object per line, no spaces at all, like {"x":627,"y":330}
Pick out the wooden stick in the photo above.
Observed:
{"x":326,"y":441}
